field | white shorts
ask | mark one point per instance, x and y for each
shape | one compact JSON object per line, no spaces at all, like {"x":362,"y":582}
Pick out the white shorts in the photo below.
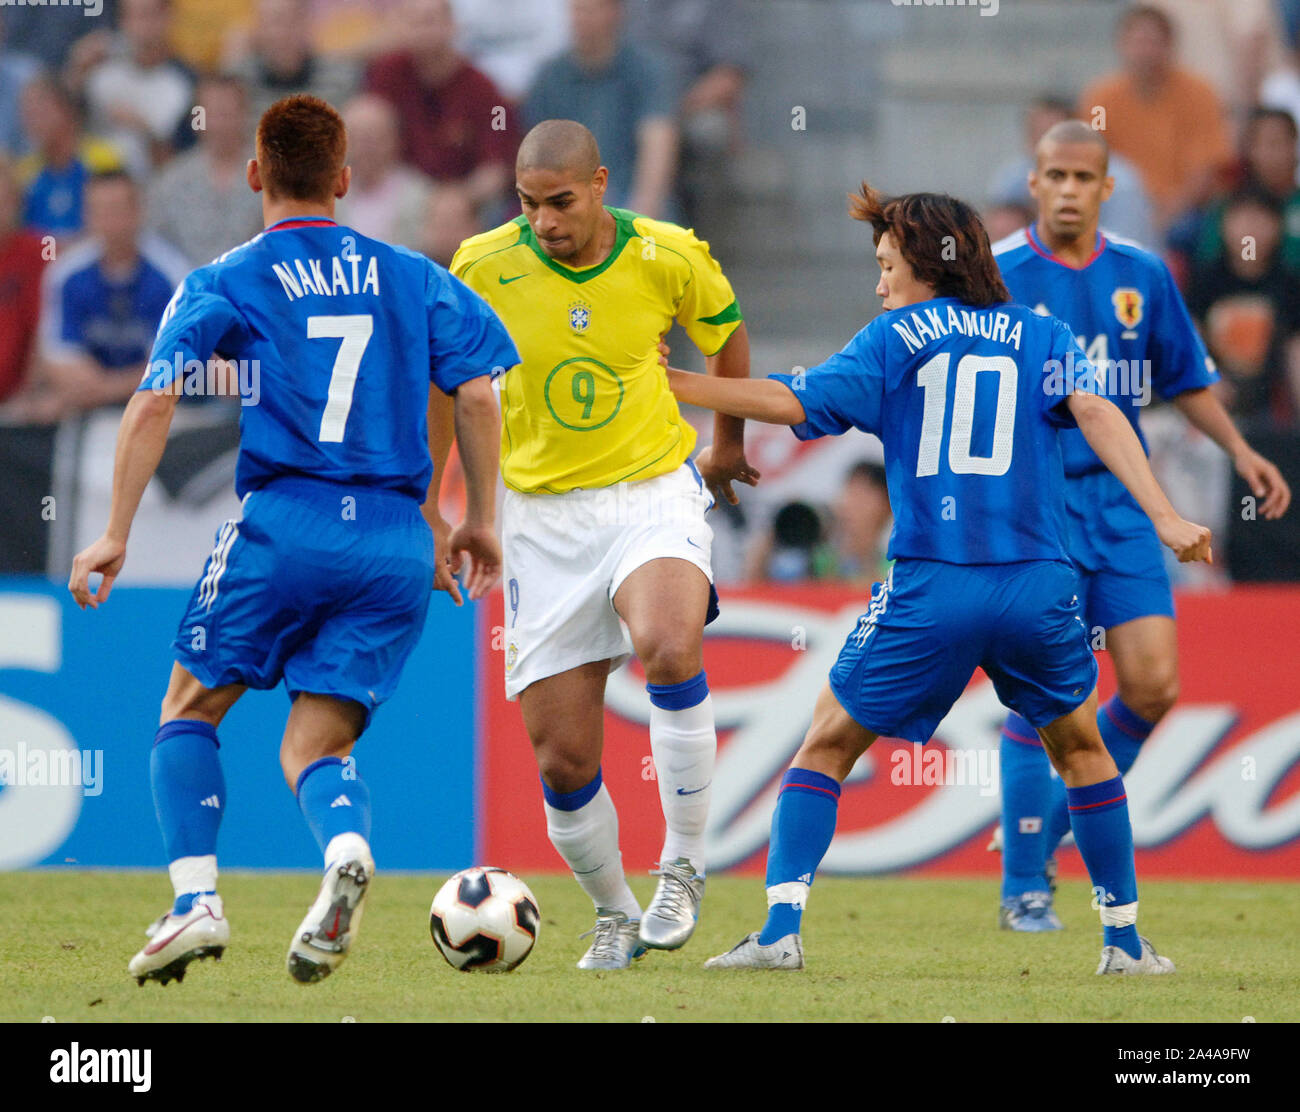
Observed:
{"x":566,"y":555}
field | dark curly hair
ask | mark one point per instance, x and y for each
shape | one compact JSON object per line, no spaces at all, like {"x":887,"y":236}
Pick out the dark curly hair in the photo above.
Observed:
{"x":942,"y":239}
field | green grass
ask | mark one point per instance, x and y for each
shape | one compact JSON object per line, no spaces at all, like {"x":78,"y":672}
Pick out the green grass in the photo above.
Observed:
{"x":878,"y":949}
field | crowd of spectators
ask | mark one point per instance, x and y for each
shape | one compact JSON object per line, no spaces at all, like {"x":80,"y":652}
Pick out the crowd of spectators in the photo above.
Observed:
{"x":1200,"y":115}
{"x":123,"y":142}
{"x":124,"y":138}
{"x":1201,"y":118}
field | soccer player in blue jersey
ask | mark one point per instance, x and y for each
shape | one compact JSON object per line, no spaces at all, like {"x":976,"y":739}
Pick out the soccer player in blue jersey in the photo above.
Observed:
{"x":1121,"y":303}
{"x":325,"y":580}
{"x":967,"y":391}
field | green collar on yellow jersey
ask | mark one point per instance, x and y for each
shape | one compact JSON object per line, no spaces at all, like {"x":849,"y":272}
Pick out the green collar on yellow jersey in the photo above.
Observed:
{"x":624,"y":230}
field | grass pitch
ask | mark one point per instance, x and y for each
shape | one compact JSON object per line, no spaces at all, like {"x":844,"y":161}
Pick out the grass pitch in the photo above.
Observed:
{"x":896,"y":949}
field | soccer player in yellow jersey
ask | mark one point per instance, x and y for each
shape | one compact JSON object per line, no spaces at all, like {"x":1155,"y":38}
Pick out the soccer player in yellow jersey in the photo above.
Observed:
{"x":604,"y":517}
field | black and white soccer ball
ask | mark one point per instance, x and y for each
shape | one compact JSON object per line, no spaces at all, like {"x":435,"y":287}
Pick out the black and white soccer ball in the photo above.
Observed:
{"x":484,"y":919}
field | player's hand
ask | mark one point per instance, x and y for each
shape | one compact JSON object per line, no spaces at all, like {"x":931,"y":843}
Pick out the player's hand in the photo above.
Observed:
{"x":664,"y":352}
{"x":1190,"y":542}
{"x":1265,"y":481}
{"x":720,"y":470}
{"x":105,"y":556}
{"x":443,"y":580}
{"x":479,"y":545}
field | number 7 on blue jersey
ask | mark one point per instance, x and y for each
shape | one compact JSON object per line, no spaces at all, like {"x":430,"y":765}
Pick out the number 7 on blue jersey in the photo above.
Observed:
{"x":355,"y":332}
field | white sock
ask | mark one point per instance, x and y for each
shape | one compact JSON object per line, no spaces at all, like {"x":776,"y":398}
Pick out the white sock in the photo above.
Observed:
{"x":348,"y":846}
{"x":684,"y":744}
{"x":587,"y":839}
{"x":193,"y":874}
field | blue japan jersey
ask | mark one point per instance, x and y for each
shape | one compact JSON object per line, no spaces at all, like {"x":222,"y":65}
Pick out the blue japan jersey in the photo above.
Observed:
{"x":337,"y":337}
{"x":1128,"y":315}
{"x":111,"y":318}
{"x":968,"y":403}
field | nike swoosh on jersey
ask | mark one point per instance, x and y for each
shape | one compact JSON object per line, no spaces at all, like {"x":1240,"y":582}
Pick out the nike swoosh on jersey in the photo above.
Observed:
{"x":693,"y":791}
{"x":506,"y":281}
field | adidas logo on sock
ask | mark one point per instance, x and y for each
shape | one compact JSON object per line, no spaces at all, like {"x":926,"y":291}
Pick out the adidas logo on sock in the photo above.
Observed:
{"x":342,"y":801}
{"x":211,"y":801}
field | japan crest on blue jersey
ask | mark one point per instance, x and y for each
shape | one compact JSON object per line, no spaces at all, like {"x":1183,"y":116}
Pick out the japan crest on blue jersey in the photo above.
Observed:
{"x":1126,"y":312}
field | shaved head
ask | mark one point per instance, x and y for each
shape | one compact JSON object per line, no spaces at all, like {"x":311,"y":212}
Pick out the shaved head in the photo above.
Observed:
{"x":1073,"y":131}
{"x":561,"y":188}
{"x":1070,"y":183}
{"x":559,"y":147}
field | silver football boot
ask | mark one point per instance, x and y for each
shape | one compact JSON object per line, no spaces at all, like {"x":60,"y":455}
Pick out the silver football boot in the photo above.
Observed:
{"x":616,"y":944}
{"x":671,"y":917}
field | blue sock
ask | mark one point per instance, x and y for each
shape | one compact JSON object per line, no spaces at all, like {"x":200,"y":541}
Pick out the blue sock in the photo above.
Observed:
{"x":803,"y":825}
{"x":680,"y":696}
{"x":574,"y":800}
{"x":334,"y":800}
{"x":189,"y":791}
{"x":1099,"y":818}
{"x":1026,"y":794}
{"x":1123,"y":732}
{"x":185,"y":901}
{"x":1057,"y":823}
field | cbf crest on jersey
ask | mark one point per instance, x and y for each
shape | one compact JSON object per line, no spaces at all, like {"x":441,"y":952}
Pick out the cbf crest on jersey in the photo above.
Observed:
{"x":579,"y":316}
{"x":1128,"y":306}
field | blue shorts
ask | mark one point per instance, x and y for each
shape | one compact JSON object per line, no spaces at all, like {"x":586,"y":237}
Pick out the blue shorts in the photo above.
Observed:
{"x":1116,"y":552}
{"x":322,"y":585}
{"x":931,"y":624}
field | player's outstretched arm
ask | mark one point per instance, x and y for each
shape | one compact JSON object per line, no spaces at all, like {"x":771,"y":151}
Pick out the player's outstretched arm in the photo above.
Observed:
{"x":761,"y":399}
{"x":141,"y":439}
{"x":1204,"y":410}
{"x":1110,"y":435}
{"x":478,"y":432}
{"x":442,"y":432}
{"x":724,"y":462}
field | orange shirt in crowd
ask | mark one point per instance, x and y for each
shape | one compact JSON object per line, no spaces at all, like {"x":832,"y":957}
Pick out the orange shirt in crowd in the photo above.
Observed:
{"x":1171,"y":138}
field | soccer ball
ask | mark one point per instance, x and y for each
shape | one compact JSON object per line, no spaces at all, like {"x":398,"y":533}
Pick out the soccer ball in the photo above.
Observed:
{"x":484,"y":919}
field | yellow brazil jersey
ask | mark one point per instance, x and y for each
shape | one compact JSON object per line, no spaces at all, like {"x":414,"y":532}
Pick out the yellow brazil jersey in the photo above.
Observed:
{"x":590,"y":406}
{"x":97,"y":155}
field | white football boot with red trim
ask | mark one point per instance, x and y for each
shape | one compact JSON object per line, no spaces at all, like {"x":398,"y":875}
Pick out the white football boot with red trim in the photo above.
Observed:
{"x":324,"y":937}
{"x":177,"y":940}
